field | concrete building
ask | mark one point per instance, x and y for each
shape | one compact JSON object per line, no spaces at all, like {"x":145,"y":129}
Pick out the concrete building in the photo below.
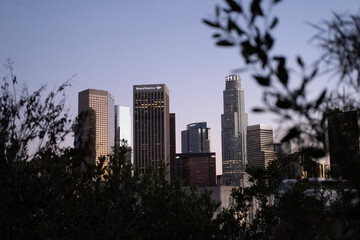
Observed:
{"x":151,"y":126}
{"x":98,"y":128}
{"x":195,"y":139}
{"x":197,"y":168}
{"x":297,"y":165}
{"x":234,"y":121}
{"x":260,"y":145}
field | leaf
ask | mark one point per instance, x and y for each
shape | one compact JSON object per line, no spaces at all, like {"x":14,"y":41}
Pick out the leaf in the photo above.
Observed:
{"x":217,"y":11}
{"x":225,"y":43}
{"x":300,"y":62}
{"x":264,"y":81}
{"x":313,"y":74}
{"x":320,"y":99}
{"x":282,"y":72}
{"x":212,"y":24}
{"x":262,"y":56}
{"x":314,"y":152}
{"x":269,"y":41}
{"x":233,"y":26}
{"x":292,"y":133}
{"x":247,"y":49}
{"x":274,"y":23}
{"x":258,"y":110}
{"x":255,"y":8}
{"x":234,"y":6}
{"x":216,"y":35}
{"x":283,"y":103}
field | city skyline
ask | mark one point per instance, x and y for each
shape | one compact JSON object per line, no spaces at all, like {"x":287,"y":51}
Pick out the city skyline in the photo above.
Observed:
{"x":117,"y":44}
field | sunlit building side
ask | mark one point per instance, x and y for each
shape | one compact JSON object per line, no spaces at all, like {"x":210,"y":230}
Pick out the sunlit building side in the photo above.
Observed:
{"x":260,"y":145}
{"x":98,"y":128}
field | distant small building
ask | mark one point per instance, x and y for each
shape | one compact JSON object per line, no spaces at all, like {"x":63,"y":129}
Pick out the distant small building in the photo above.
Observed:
{"x":195,"y":139}
{"x":297,"y":165}
{"x":196,"y":168}
{"x":260,"y":145}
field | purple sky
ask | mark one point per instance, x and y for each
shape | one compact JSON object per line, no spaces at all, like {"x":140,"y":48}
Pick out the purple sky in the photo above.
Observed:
{"x":112,"y":45}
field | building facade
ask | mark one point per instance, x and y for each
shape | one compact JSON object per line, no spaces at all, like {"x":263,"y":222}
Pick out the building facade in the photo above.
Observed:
{"x":151,"y":125}
{"x":98,"y":127}
{"x":172,"y":146}
{"x":196,"y":138}
{"x":234,"y":121}
{"x":197,"y":168}
{"x":344,"y":139}
{"x":122,"y":125}
{"x":260,"y":145}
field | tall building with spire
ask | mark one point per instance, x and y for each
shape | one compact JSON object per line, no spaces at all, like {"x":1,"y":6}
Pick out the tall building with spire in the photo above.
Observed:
{"x":234,"y":121}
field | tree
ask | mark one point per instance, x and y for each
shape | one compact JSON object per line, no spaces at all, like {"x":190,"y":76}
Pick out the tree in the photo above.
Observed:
{"x":250,"y":28}
{"x":55,"y":193}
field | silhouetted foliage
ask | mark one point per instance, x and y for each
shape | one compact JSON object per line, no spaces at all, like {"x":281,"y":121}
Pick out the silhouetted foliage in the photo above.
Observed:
{"x":55,"y":193}
{"x":302,"y":211}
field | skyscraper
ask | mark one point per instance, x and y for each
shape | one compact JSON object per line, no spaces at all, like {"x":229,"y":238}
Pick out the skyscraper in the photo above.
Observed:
{"x":122,"y":125}
{"x":172,"y":146}
{"x":196,"y":165}
{"x":98,"y":127}
{"x":123,"y":128}
{"x":151,"y":126}
{"x":233,"y":132}
{"x":344,"y":139}
{"x":196,"y":138}
{"x":260,"y":145}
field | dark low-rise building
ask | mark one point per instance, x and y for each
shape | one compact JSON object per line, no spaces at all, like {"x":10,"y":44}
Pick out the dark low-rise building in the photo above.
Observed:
{"x":197,"y":168}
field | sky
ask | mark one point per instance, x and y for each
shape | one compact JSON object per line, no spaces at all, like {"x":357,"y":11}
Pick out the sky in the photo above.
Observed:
{"x":113,"y":45}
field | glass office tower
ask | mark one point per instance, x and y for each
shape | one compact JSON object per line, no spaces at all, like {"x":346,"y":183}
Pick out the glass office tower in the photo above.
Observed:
{"x":233,"y":132}
{"x":122,"y":125}
{"x":195,"y":139}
